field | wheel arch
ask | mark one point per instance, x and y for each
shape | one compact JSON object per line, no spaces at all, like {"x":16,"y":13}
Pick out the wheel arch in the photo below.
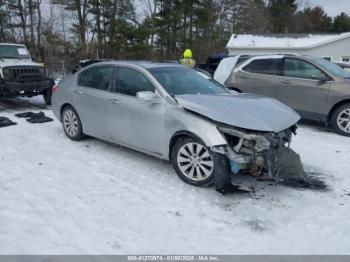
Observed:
{"x":180,"y":134}
{"x":63,"y":107}
{"x":340,"y":103}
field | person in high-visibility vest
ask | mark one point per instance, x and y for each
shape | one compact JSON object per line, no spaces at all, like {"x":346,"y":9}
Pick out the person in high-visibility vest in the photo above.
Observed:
{"x":187,"y":59}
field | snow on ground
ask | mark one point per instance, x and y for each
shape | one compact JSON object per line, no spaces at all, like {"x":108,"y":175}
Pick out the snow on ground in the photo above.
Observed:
{"x":91,"y":197}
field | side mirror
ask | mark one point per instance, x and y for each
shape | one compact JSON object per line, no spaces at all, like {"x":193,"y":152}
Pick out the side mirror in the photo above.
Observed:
{"x":321,"y":78}
{"x":146,"y":95}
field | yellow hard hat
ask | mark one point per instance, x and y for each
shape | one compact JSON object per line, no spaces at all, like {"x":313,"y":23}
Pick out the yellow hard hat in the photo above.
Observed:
{"x":188,"y":53}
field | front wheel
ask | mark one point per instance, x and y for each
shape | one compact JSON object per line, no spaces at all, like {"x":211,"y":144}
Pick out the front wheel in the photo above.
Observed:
{"x":193,"y":162}
{"x":341,"y":120}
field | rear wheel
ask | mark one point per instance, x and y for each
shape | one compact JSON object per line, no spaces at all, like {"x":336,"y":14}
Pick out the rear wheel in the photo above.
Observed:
{"x":341,"y":120}
{"x":193,"y":162}
{"x":72,"y":124}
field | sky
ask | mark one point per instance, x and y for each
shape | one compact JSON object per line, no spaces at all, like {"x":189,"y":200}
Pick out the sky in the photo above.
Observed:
{"x":332,"y":7}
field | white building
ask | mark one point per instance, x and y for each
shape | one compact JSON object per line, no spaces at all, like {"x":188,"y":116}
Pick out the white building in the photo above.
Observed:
{"x":334,"y":47}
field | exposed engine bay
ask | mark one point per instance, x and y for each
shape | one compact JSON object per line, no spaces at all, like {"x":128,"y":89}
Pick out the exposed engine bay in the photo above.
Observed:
{"x":266,"y":155}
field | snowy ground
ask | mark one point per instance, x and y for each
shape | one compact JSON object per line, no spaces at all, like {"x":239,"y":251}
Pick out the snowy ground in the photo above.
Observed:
{"x":91,"y":197}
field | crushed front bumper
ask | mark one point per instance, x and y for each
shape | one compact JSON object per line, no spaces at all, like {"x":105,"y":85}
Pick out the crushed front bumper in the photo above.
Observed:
{"x":264,"y":155}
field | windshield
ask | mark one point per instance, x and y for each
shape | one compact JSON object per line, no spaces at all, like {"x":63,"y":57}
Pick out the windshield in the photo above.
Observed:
{"x":184,"y":81}
{"x":13,"y":51}
{"x":333,"y":68}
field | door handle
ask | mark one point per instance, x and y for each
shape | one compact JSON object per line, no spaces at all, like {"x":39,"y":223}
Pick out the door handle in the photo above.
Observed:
{"x":79,"y":92}
{"x":114,"y":101}
{"x":244,"y":76}
{"x":287,"y":82}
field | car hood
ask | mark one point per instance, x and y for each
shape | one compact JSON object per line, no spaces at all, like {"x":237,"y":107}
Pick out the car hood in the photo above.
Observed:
{"x":242,"y":110}
{"x":17,"y":62}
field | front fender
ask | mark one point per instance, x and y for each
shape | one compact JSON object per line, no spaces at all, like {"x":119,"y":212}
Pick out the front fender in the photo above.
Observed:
{"x":181,"y":122}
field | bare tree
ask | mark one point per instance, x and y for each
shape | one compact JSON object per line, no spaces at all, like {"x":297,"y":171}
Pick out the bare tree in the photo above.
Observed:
{"x":39,"y":29}
{"x":151,"y":9}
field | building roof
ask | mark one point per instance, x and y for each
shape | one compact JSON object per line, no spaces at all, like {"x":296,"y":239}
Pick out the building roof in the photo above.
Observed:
{"x":12,"y":44}
{"x":291,"y":41}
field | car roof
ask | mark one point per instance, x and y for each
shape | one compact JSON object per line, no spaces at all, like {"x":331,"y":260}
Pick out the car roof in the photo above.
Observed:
{"x":148,"y":64}
{"x":141,"y":63}
{"x":279,"y":56}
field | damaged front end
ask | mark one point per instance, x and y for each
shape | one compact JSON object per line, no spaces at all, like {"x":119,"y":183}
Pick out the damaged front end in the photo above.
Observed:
{"x":266,"y":155}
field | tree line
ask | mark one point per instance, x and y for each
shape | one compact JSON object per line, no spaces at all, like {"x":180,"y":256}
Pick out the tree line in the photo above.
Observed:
{"x":58,"y":31}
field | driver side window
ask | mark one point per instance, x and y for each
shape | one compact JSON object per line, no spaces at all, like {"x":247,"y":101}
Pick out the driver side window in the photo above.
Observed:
{"x":130,"y":81}
{"x":301,"y":69}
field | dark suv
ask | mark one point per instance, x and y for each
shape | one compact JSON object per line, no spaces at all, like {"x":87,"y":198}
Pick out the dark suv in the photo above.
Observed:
{"x":316,"y":88}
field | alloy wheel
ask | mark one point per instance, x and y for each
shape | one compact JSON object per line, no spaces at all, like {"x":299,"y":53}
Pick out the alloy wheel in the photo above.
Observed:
{"x":70,"y":123}
{"x":343,"y":120}
{"x":195,"y":161}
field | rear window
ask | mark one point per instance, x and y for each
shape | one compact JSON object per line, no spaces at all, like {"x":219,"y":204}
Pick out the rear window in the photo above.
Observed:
{"x":263,"y":66}
{"x":96,"y":77}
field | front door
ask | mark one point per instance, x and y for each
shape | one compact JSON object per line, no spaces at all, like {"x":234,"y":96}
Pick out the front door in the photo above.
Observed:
{"x":92,"y":96}
{"x":135,"y":122}
{"x":304,"y":87}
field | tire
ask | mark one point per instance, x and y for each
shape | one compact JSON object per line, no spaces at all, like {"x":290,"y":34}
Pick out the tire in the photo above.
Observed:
{"x":47,"y":96}
{"x":193,"y":162}
{"x":72,"y":124}
{"x":341,"y":120}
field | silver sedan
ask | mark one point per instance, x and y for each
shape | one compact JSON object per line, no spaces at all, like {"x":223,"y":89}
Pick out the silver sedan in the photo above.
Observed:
{"x":182,"y":115}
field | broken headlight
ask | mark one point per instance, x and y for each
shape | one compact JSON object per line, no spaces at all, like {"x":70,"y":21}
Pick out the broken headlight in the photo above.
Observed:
{"x":261,"y":143}
{"x":246,"y":142}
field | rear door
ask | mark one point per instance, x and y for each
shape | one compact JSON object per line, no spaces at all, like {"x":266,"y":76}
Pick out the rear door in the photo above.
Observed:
{"x":260,"y":76}
{"x":304,"y":87}
{"x":91,"y":99}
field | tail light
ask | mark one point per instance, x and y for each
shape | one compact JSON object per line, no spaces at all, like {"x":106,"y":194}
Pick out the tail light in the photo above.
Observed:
{"x":54,"y":89}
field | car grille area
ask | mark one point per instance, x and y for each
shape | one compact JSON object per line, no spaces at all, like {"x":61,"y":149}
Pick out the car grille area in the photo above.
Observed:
{"x":23,"y":73}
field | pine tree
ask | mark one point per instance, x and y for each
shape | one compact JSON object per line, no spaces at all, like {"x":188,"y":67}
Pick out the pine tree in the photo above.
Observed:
{"x":80,"y":8}
{"x":341,"y":23}
{"x":257,"y":20}
{"x":281,"y":15}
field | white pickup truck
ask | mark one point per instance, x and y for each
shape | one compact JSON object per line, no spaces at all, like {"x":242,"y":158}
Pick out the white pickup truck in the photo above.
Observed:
{"x":20,"y":76}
